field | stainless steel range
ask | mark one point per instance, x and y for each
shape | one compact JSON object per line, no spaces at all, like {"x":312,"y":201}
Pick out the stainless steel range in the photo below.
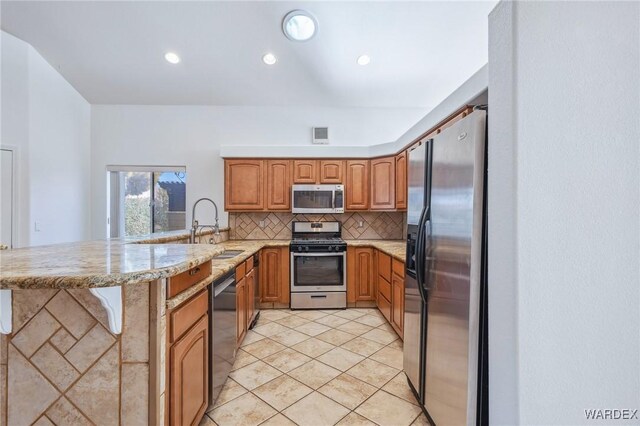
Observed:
{"x":318,"y":266}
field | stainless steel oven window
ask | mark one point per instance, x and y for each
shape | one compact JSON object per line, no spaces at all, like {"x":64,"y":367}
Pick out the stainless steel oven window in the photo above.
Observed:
{"x":318,"y":270}
{"x":313,"y":199}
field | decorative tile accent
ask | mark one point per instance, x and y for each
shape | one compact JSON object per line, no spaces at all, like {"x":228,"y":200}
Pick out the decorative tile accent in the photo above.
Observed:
{"x":63,"y":340}
{"x":30,"y":392}
{"x":64,"y":413}
{"x":90,"y":347}
{"x":97,"y":392}
{"x":277,"y":226}
{"x":55,"y":367}
{"x":26,"y":304}
{"x":37,"y":331}
{"x":70,"y":314}
{"x":65,"y":367}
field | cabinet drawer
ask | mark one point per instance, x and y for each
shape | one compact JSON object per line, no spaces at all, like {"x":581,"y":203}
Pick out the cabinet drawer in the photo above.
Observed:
{"x":183,"y":317}
{"x":249,"y":264}
{"x":384,"y":287}
{"x":384,"y":306}
{"x":384,"y":265}
{"x":183,"y":281}
{"x":398,"y":268}
{"x":241,"y":271}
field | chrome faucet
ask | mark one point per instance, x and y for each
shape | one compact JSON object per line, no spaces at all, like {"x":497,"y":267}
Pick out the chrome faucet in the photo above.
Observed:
{"x":194,"y":222}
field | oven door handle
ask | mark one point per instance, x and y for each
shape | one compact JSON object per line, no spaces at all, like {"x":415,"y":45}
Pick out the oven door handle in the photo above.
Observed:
{"x":311,"y":254}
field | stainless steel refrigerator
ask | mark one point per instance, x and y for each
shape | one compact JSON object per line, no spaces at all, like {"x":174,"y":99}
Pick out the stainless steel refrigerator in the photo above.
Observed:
{"x":445,"y":340}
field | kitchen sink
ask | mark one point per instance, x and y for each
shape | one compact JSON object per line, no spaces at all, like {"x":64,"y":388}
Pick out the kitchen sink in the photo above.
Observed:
{"x":228,"y":254}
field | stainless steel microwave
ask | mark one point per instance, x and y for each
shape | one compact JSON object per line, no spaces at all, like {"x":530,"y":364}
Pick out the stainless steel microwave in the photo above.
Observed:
{"x":317,"y":198}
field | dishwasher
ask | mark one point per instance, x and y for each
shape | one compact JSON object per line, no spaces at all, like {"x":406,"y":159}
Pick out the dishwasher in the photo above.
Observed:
{"x":223,"y":332}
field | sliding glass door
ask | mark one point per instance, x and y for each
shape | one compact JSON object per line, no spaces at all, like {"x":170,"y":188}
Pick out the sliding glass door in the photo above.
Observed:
{"x":143,"y":200}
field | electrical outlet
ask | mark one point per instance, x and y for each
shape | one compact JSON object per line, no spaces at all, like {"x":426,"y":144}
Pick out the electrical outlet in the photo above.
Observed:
{"x":361,"y":224}
{"x":261,"y":224}
{"x":36,"y":226}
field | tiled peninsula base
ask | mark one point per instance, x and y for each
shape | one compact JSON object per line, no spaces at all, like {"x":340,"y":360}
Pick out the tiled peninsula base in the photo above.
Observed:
{"x":62,"y":365}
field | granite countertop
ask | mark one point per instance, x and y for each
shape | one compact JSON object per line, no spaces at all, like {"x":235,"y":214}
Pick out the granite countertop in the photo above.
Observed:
{"x":98,"y":264}
{"x":129,"y":261}
{"x":394,"y":248}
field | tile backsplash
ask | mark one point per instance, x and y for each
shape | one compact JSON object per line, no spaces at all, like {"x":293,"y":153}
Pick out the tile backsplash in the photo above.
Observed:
{"x":356,"y":225}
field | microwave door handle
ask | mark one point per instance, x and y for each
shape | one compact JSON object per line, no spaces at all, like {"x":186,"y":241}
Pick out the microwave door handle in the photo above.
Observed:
{"x":333,"y":200}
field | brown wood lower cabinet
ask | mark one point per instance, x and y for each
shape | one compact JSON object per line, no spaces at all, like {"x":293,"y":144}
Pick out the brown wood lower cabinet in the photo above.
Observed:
{"x":274,"y":276}
{"x":360,"y":274}
{"x":390,"y":300}
{"x":241,"y":309}
{"x":189,"y":361}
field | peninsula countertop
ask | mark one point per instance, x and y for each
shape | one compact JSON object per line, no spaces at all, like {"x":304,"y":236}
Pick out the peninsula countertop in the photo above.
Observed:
{"x":109,"y":263}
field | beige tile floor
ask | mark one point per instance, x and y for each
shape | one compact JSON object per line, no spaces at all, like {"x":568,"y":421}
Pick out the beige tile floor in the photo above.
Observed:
{"x":318,"y":368}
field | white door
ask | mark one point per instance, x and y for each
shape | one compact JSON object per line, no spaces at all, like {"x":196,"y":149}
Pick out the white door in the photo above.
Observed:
{"x":6,"y":198}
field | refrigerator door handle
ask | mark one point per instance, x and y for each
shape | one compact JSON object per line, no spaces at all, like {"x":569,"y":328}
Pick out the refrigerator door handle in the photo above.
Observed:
{"x":420,"y":253}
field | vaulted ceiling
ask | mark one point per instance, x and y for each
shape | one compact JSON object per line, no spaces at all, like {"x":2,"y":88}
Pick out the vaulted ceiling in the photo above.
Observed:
{"x":113,"y":52}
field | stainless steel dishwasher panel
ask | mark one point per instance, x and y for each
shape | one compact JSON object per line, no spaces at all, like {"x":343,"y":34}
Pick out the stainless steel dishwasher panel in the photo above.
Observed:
{"x":223,"y":332}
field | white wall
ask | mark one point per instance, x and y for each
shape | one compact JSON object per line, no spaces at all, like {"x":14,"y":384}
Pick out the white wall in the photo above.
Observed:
{"x":192,"y":136}
{"x":49,"y":122}
{"x":564,"y":215}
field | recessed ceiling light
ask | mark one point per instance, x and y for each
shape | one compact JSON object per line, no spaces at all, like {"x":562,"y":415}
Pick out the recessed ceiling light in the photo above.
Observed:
{"x":364,"y":60}
{"x":269,"y":59}
{"x":172,"y":58}
{"x":299,"y":25}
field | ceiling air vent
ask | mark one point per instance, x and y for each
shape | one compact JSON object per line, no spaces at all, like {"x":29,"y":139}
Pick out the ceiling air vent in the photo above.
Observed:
{"x":321,"y":135}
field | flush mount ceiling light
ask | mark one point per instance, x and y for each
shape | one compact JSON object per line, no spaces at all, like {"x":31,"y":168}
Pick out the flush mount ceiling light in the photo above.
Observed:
{"x":172,"y":58}
{"x":363,"y":60}
{"x":269,"y":59}
{"x":299,"y":25}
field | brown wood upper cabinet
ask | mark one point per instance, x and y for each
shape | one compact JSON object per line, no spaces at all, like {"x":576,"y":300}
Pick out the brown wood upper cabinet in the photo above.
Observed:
{"x":383,"y":187}
{"x":401,"y":180}
{"x":305,"y":171}
{"x":331,"y":171}
{"x":243,"y":184}
{"x":278,"y":189}
{"x":357,"y":185}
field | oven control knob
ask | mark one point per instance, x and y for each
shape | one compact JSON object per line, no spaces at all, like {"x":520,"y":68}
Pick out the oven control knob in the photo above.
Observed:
{"x":306,"y":248}
{"x":329,"y":248}
{"x":299,"y":248}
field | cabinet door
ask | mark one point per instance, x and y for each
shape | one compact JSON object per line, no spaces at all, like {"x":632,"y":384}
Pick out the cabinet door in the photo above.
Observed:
{"x":250,"y":292}
{"x":278,"y":189}
{"x":331,"y":171}
{"x":285,"y":274}
{"x":364,"y":274}
{"x":397,"y":304}
{"x":243,"y":185}
{"x":383,"y":187}
{"x":241,"y":309}
{"x":270,"y":275}
{"x":189,"y":375}
{"x":401,"y":180}
{"x":305,"y":171}
{"x":357,"y":185}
